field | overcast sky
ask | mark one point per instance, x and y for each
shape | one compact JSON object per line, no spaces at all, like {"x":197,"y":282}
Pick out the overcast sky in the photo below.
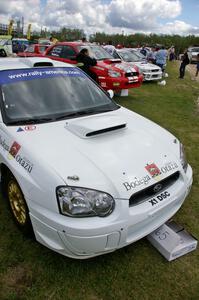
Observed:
{"x":111,"y":16}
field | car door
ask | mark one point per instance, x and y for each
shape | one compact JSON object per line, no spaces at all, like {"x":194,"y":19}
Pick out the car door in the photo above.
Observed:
{"x":69,"y":54}
{"x":62,"y":53}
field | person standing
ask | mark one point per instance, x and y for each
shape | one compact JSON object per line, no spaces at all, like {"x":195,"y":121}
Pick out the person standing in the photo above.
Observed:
{"x":197,"y":66}
{"x":161,"y":58}
{"x":151,"y":56}
{"x":85,"y":62}
{"x":184,"y":63}
{"x":143,"y":51}
{"x":171,"y":53}
{"x":109,"y":48}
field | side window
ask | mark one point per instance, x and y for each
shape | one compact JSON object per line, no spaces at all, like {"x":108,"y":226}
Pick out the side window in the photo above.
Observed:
{"x":69,"y":53}
{"x":56,"y":51}
{"x":9,"y":42}
{"x":115,"y":55}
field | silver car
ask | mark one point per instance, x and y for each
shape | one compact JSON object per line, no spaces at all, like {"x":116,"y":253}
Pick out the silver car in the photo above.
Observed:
{"x":192,"y":53}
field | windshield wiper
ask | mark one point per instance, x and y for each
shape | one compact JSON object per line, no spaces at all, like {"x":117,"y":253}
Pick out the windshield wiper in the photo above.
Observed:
{"x":30,"y":121}
{"x":82,"y":113}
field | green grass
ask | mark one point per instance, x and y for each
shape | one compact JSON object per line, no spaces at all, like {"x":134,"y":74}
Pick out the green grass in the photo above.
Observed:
{"x":30,"y":271}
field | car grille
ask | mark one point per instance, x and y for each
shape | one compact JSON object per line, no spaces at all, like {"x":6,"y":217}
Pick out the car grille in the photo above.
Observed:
{"x":149,"y":192}
{"x":155,"y":70}
{"x":131,"y":74}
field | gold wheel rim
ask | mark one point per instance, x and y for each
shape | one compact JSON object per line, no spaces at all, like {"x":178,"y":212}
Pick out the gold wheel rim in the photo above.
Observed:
{"x":17,"y":202}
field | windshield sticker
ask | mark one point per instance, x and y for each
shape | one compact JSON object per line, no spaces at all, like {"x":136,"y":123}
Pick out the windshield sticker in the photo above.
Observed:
{"x":23,"y":75}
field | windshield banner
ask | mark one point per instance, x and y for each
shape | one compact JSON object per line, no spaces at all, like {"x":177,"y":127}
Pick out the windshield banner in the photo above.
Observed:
{"x":11,"y":76}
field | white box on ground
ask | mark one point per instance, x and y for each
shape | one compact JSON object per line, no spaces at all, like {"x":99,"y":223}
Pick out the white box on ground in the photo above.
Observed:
{"x":172,"y":240}
{"x":122,"y":93}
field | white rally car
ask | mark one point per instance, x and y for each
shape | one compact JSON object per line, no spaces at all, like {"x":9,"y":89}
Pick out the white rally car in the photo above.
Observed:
{"x":149,"y":71}
{"x":84,"y":174}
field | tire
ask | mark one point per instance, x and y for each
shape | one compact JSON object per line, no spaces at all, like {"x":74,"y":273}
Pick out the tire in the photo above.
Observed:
{"x":3,"y":53}
{"x":17,"y":205}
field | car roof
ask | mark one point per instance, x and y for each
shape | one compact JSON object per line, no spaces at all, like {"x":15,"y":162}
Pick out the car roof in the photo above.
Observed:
{"x":11,"y":63}
{"x":74,"y":44}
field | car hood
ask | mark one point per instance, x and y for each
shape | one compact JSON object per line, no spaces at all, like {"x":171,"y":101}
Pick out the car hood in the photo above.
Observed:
{"x":145,"y":65}
{"x":117,"y":65}
{"x":106,"y":151}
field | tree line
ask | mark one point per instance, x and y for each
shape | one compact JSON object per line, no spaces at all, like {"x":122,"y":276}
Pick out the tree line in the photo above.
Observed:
{"x":139,"y":39}
{"x":132,"y":40}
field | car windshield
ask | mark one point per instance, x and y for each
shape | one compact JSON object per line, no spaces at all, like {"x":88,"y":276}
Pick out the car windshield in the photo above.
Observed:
{"x":42,"y":95}
{"x":194,"y":50}
{"x":129,"y":56}
{"x":97,"y":52}
{"x":30,"y":49}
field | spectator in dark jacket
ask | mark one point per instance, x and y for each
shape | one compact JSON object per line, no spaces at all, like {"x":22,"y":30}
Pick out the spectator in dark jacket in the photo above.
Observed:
{"x":197,"y":66}
{"x":184,"y":63}
{"x":85,"y":62}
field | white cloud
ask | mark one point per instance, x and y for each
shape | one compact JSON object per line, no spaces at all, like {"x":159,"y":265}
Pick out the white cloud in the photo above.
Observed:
{"x":96,"y":15}
{"x":179,"y":27}
{"x":141,"y":14}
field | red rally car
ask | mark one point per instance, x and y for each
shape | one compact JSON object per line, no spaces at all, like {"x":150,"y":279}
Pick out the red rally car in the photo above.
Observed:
{"x":111,"y":73}
{"x":33,"y":50}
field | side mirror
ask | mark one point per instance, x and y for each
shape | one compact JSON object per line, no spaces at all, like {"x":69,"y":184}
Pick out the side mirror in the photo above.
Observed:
{"x":110,"y":93}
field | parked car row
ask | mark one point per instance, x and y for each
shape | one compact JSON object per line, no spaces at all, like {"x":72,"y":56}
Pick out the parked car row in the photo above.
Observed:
{"x":125,"y":69}
{"x":149,"y":71}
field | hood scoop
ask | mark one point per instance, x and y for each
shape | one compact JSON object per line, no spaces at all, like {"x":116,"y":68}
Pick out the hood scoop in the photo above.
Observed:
{"x":112,"y":61}
{"x":95,"y":125}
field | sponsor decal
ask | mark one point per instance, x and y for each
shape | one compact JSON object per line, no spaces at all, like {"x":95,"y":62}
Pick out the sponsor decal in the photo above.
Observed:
{"x":20,"y":129}
{"x":30,"y":127}
{"x":24,"y":162}
{"x":13,"y":153}
{"x":23,"y":75}
{"x":4,"y":144}
{"x":136,"y":182}
{"x":169,"y":167}
{"x":153,"y":170}
{"x":14,"y":149}
{"x":159,"y":198}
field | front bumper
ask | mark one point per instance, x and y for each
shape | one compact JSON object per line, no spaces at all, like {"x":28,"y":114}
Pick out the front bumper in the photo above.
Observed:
{"x":88,"y":237}
{"x":149,"y":76}
{"x":120,"y":83}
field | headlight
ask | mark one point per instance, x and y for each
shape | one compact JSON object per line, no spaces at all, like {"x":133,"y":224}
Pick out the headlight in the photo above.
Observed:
{"x":82,"y":202}
{"x":183,"y":159}
{"x":113,"y":74}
